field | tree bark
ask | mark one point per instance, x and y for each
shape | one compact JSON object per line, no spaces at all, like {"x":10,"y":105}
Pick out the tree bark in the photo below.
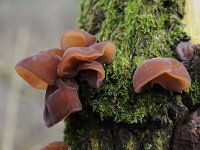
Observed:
{"x":114,"y":117}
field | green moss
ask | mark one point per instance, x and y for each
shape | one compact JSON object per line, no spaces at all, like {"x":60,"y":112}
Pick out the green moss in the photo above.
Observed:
{"x":140,"y":30}
{"x":85,"y":131}
{"x":148,"y":146}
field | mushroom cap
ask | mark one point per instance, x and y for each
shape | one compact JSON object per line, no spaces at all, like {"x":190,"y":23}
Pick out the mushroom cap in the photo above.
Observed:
{"x":72,"y":57}
{"x":93,"y":72}
{"x":60,"y":101}
{"x":185,"y":51}
{"x":167,"y":72}
{"x":40,"y":69}
{"x":76,"y":38}
{"x":108,"y":50}
{"x":57,"y":145}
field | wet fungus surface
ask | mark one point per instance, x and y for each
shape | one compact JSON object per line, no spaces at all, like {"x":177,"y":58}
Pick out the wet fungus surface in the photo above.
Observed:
{"x":61,"y":99}
{"x":54,"y":70}
{"x":73,"y":56}
{"x":108,"y":50}
{"x":77,"y":38}
{"x":93,"y":73}
{"x":167,"y":72}
{"x":31,"y":69}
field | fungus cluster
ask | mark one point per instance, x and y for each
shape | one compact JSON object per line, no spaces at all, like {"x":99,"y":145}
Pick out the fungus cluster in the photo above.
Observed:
{"x":54,"y":70}
{"x":167,"y":72}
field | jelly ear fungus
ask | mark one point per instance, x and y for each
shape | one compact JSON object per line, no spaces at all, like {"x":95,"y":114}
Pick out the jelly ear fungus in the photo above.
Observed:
{"x":40,"y":69}
{"x":167,"y":72}
{"x":72,"y":57}
{"x":93,"y":73}
{"x":60,"y":101}
{"x":77,"y":38}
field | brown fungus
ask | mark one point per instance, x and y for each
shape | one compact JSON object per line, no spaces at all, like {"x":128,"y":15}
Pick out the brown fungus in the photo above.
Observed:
{"x":61,"y":100}
{"x":57,"y":145}
{"x":40,"y":69}
{"x":73,"y":56}
{"x":76,"y":38}
{"x":93,"y":72}
{"x":186,"y":51}
{"x":167,"y":72}
{"x":108,"y":50}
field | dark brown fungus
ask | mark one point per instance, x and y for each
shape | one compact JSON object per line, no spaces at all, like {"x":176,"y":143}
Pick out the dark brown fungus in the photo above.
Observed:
{"x":108,"y":50}
{"x":187,"y":137}
{"x":40,"y":69}
{"x":93,"y":72}
{"x":76,"y":38}
{"x":61,"y":99}
{"x":186,"y":50}
{"x":57,"y":145}
{"x":167,"y":72}
{"x":73,"y":56}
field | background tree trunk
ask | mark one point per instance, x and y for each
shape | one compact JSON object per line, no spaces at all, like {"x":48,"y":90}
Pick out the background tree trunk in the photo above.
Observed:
{"x":114,"y":117}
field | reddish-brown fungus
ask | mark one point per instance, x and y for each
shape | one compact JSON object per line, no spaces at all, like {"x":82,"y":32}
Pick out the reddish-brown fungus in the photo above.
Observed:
{"x":108,"y":50}
{"x":57,"y":145}
{"x":186,"y":50}
{"x":61,"y":100}
{"x":40,"y":69}
{"x":73,"y":56}
{"x":167,"y":72}
{"x":93,"y":72}
{"x":76,"y":38}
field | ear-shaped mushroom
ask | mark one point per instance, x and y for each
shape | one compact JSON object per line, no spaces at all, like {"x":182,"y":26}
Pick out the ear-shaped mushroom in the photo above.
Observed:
{"x":108,"y":50}
{"x":93,"y":72}
{"x":167,"y":72}
{"x":57,"y":145}
{"x":73,"y":56}
{"x":60,"y":101}
{"x":76,"y":38}
{"x":186,"y":50}
{"x":40,"y":69}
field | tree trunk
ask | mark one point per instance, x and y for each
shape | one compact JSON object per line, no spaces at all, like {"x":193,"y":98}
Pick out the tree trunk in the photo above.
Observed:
{"x":114,"y":117}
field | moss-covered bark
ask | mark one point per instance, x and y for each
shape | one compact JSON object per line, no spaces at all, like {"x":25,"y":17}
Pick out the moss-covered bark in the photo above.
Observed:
{"x":114,"y":117}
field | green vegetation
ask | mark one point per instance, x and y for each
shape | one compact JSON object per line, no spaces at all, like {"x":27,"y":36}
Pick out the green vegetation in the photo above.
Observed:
{"x":140,"y":30}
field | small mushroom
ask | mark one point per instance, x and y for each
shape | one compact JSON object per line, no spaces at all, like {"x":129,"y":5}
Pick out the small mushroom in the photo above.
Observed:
{"x":60,"y":101}
{"x":108,"y":50}
{"x":57,"y":145}
{"x":76,"y":38}
{"x":72,"y":57}
{"x":167,"y":72}
{"x":40,"y":69}
{"x":93,"y":72}
{"x":186,"y":52}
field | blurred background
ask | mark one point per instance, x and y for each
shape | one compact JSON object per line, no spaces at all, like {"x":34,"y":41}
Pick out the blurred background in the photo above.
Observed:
{"x":27,"y":26}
